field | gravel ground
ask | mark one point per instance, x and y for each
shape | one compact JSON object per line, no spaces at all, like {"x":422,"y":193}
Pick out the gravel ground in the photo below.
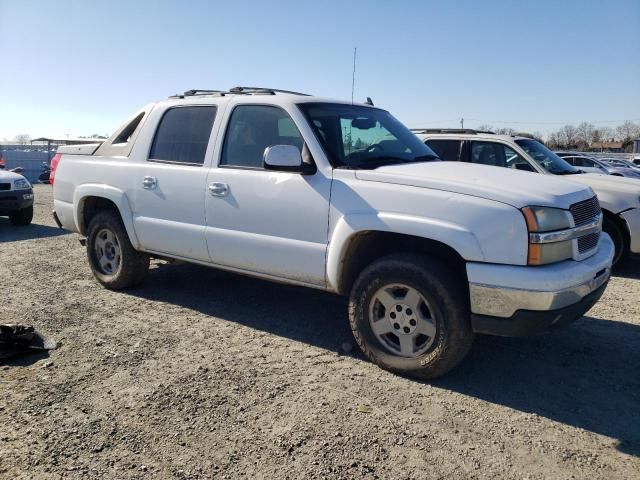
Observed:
{"x":205,"y":374}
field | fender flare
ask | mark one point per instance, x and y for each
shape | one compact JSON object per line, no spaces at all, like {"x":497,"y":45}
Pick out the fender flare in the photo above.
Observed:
{"x":118,"y":197}
{"x":459,"y":238}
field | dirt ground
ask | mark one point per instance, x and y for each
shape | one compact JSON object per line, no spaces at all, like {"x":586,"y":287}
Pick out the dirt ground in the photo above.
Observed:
{"x":204,"y":374}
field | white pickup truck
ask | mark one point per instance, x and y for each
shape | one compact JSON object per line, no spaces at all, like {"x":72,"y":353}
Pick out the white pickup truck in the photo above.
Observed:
{"x":341,"y":197}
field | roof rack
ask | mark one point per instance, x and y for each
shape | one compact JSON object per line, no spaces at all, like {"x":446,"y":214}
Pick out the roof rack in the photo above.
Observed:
{"x":449,"y":130}
{"x":270,"y":91}
{"x":236,"y":91}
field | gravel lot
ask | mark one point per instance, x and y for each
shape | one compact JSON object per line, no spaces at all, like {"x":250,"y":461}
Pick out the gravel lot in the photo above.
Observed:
{"x":205,"y":374}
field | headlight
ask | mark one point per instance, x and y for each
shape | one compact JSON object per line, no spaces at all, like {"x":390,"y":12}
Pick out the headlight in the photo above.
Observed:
{"x":546,"y":219}
{"x":21,"y":184}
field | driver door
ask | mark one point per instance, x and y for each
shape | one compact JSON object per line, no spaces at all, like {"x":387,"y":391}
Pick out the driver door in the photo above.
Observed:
{"x":263,"y":221}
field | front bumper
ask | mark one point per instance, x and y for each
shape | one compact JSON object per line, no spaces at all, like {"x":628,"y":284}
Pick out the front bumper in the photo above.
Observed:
{"x":503,"y":295}
{"x":15,"y":199}
{"x":632,"y":218}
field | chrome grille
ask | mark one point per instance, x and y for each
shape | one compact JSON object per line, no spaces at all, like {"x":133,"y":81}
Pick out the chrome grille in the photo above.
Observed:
{"x":588,"y":242}
{"x":585,"y":211}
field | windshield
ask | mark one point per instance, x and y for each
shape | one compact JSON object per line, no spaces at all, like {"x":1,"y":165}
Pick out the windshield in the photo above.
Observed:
{"x":362,"y":137}
{"x":544,"y":157}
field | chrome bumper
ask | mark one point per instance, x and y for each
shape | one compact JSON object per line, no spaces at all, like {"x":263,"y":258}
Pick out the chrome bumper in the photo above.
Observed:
{"x":502,"y":290}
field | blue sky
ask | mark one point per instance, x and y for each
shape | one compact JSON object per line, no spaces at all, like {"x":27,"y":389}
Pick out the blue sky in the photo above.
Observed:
{"x":81,"y":67}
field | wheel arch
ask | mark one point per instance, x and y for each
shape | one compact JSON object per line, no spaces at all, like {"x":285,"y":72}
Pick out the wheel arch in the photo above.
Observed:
{"x":364,"y":247}
{"x":91,"y":200}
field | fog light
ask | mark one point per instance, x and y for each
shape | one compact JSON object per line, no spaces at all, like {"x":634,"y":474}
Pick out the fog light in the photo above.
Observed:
{"x":27,"y":196}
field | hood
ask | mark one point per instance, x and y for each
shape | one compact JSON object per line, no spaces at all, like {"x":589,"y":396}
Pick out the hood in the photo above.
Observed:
{"x":6,"y":176}
{"x":513,"y":187}
{"x":615,"y":193}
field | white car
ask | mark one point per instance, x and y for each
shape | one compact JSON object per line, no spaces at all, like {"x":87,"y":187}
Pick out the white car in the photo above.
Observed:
{"x":16,"y":198}
{"x":296,"y":189}
{"x":619,"y":197}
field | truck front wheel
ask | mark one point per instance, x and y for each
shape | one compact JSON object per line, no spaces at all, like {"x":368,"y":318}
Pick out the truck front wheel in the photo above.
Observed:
{"x":113,"y":260}
{"x":410,"y":315}
{"x":617,"y":234}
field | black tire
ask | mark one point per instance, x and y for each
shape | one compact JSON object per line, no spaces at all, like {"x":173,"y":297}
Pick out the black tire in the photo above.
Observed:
{"x":448,"y":299}
{"x":21,"y":217}
{"x":132,"y":265}
{"x":619,"y":238}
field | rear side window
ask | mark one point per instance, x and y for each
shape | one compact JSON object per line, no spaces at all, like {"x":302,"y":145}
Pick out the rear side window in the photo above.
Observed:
{"x":183,"y":135}
{"x":448,"y":150}
{"x":253,"y":128}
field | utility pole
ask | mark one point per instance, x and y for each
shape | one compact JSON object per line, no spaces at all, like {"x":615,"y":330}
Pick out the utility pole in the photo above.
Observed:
{"x":462,"y":123}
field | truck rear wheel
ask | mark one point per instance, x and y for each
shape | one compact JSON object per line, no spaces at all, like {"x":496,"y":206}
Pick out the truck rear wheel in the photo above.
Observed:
{"x":21,"y":217}
{"x":113,"y":260}
{"x":410,"y":315}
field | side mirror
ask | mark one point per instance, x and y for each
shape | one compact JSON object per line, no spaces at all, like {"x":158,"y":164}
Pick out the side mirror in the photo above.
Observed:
{"x":524,"y":166}
{"x":284,"y":158}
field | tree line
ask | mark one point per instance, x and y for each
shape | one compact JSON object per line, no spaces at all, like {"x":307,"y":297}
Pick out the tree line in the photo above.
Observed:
{"x":584,"y":136}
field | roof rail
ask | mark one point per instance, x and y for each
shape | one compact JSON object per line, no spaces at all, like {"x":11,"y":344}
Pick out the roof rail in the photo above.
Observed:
{"x":198,"y":91}
{"x":449,"y":130}
{"x":270,"y":91}
{"x":236,"y":91}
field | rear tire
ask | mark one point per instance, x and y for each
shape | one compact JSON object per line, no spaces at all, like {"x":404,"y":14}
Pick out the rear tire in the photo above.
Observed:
{"x":385,"y":316}
{"x":21,"y":217}
{"x":618,"y":236}
{"x":113,"y":260}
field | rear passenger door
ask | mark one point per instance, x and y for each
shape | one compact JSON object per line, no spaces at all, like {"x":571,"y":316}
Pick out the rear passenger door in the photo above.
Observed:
{"x":169,"y":214}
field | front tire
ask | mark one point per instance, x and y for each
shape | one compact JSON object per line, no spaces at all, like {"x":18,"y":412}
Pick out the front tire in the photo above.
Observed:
{"x":410,"y":315}
{"x":619,"y":240}
{"x":21,"y":217}
{"x":113,"y":260}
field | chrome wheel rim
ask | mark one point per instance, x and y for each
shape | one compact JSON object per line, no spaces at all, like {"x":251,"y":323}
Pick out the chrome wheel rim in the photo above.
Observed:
{"x":107,"y":251}
{"x":402,"y":320}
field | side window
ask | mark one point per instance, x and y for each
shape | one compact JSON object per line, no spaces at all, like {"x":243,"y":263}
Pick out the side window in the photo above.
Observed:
{"x":497,"y":155}
{"x":253,"y":128}
{"x":512,"y":159}
{"x":447,"y":150}
{"x":488,"y":153}
{"x":183,"y":135}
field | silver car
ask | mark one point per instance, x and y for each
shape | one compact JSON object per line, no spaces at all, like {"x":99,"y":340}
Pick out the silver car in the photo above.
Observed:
{"x":593,"y":165}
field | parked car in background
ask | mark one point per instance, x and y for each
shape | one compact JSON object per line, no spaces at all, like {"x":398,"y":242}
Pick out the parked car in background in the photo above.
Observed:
{"x":16,"y":198}
{"x":619,"y":197}
{"x":619,"y":162}
{"x":297,"y":189}
{"x":593,"y":165}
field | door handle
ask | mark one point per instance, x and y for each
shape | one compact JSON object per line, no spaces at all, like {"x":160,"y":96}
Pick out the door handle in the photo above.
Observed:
{"x":218,"y":189}
{"x":149,"y":183}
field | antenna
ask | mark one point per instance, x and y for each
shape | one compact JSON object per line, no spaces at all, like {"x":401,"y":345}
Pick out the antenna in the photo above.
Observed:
{"x":462,"y":123}
{"x":353,"y":77}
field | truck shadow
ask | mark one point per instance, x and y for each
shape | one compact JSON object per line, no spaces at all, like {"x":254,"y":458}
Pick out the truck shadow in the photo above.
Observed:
{"x":585,"y":375}
{"x":628,"y":269}
{"x":11,"y":233}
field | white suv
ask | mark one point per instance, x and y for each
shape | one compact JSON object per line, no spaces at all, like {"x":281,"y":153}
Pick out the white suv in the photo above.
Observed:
{"x":343,"y":198}
{"x":619,"y":197}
